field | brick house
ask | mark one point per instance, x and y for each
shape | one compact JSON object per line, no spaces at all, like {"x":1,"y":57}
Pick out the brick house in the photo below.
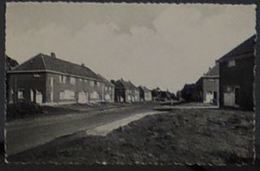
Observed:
{"x":108,"y":90}
{"x":165,"y":95}
{"x":135,"y":92}
{"x":188,"y":92}
{"x":45,"y":79}
{"x":126,"y":91}
{"x":156,"y":94}
{"x":206,"y":88}
{"x":161,"y":95}
{"x":145,"y":93}
{"x":210,"y":86}
{"x":197,"y":93}
{"x":236,"y":70}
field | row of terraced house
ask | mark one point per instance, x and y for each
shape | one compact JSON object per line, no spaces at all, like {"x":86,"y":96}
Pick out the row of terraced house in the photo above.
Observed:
{"x":230,"y":83}
{"x":47,"y":80}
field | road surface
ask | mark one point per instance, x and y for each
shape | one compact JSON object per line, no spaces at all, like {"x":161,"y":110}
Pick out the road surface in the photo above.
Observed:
{"x":25,"y":134}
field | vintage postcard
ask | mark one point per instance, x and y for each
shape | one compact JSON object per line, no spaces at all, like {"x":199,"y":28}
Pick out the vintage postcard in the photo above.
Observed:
{"x":130,"y":83}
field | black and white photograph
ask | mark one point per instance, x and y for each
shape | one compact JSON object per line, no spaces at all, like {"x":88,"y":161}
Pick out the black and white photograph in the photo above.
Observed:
{"x":130,"y":83}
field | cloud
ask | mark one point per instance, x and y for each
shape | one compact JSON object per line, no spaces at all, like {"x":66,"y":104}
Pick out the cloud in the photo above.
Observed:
{"x":74,"y":16}
{"x":152,"y":45}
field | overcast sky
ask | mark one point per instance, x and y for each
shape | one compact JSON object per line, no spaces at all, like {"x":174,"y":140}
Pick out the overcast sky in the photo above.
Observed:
{"x":163,"y":45}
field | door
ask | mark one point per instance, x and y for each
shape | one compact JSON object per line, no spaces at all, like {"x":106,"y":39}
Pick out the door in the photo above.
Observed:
{"x":107,"y":97}
{"x":237,"y":95}
{"x":39,"y":97}
{"x":215,"y":97}
{"x":209,"y":97}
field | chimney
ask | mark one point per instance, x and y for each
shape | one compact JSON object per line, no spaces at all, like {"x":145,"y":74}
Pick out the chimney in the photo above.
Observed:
{"x":53,"y":55}
{"x":83,"y":65}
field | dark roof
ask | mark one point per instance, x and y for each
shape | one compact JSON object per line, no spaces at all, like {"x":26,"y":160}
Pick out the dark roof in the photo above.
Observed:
{"x":107,"y":83}
{"x":144,"y":88}
{"x":165,"y":94}
{"x":127,"y":84}
{"x":189,"y":86}
{"x":49,"y":63}
{"x":132,"y":85}
{"x":214,"y":71}
{"x":10,"y":63}
{"x":247,"y":47}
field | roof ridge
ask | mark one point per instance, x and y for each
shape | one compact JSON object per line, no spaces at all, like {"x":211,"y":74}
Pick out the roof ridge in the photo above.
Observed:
{"x":44,"y":64}
{"x":234,"y":50}
{"x":65,"y":61}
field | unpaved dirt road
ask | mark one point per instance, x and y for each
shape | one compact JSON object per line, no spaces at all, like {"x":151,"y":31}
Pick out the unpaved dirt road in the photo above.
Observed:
{"x":26,"y":134}
{"x":103,"y":130}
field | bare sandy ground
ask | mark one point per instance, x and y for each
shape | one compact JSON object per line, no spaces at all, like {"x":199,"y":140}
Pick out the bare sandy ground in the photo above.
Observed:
{"x":103,"y":130}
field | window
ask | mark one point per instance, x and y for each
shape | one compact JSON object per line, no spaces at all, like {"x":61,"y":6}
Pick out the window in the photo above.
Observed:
{"x":97,"y":83}
{"x":94,"y":95}
{"x":61,"y":95}
{"x":39,"y":97}
{"x":80,"y":79}
{"x":62,"y":79}
{"x":231,"y":63}
{"x":36,"y":75}
{"x":20,"y":94}
{"x":92,"y":83}
{"x":67,"y":95}
{"x":72,"y":80}
{"x":228,"y":89}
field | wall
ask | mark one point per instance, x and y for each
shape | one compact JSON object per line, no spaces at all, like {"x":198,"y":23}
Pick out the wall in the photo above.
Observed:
{"x":129,"y":95}
{"x":42,"y":83}
{"x":211,"y":84}
{"x":26,"y":82}
{"x":120,"y":94}
{"x":109,"y":92}
{"x":242,"y":75}
{"x":93,"y":93}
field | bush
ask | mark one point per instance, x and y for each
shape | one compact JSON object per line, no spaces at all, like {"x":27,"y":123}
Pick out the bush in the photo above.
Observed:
{"x":22,"y":109}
